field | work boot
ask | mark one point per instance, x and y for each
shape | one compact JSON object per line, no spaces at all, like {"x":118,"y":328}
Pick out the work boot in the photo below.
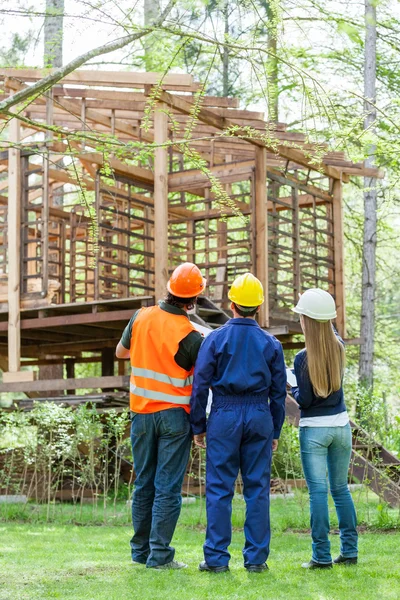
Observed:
{"x":343,"y":560}
{"x":203,"y":566}
{"x":256,"y":568}
{"x":316,"y":565}
{"x":173,"y":564}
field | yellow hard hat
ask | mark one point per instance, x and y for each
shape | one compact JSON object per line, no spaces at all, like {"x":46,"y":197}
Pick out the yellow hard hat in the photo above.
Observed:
{"x":246,"y":290}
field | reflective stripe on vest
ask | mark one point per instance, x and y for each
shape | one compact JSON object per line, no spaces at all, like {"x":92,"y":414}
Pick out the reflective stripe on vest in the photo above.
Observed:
{"x":152,"y":395}
{"x":162,"y":377}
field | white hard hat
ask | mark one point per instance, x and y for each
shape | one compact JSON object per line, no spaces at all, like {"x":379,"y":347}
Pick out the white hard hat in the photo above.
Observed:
{"x":316,"y":304}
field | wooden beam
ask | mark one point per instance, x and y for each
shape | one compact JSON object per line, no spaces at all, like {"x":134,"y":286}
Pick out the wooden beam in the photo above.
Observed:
{"x":64,"y":384}
{"x":338,"y":241}
{"x":261,"y":224}
{"x":137,"y":173}
{"x":160,"y":201}
{"x":14,"y":248}
{"x":105,"y":78}
{"x":228,"y":173}
{"x":79,"y":319}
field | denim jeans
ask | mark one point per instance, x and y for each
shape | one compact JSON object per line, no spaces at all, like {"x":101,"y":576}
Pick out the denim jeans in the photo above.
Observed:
{"x":329,"y":448}
{"x":160,"y":446}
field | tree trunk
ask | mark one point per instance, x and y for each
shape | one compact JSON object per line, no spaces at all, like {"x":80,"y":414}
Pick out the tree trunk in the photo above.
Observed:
{"x":370,"y":205}
{"x":225,"y":55}
{"x":53,"y":33}
{"x":272,"y":66}
{"x":152,"y":10}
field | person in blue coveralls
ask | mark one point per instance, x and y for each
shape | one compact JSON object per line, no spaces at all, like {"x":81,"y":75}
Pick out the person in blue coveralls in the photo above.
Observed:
{"x":245,"y":368}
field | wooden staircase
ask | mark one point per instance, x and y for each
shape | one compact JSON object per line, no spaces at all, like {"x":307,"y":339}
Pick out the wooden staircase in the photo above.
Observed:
{"x":371,"y":463}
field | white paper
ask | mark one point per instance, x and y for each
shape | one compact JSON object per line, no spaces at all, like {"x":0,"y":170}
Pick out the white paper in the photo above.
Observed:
{"x":291,"y":378}
{"x":205,"y":331}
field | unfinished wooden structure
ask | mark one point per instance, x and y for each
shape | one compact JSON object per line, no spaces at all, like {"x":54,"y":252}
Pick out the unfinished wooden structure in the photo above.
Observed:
{"x":90,"y":229}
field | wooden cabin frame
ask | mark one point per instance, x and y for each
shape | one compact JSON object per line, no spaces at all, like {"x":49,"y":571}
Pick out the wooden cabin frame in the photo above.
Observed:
{"x":72,"y":272}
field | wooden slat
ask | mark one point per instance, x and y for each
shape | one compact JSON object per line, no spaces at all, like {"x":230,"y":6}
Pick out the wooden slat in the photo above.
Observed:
{"x":66,"y":384}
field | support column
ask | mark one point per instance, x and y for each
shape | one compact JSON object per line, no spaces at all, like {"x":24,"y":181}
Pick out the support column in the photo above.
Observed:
{"x":14,"y":248}
{"x":262,"y":230}
{"x":338,"y":241}
{"x":160,"y":202}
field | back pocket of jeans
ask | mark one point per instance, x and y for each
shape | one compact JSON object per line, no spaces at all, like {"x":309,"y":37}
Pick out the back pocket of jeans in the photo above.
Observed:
{"x":138,"y":424}
{"x":175,"y":421}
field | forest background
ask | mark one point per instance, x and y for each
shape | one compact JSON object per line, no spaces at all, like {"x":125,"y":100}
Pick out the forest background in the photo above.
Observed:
{"x":303,"y":63}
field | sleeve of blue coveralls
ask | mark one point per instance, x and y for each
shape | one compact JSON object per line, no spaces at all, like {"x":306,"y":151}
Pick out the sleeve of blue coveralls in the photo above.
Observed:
{"x":277,"y":393}
{"x":203,"y":374}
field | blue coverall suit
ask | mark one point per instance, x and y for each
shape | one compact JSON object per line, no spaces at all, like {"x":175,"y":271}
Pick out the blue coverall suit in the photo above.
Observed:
{"x":245,"y":368}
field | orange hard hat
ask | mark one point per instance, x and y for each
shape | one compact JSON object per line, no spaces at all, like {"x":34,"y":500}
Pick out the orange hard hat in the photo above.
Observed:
{"x":186,"y":281}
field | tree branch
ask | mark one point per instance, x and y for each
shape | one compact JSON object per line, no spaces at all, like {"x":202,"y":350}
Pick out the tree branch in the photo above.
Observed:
{"x":47,"y":82}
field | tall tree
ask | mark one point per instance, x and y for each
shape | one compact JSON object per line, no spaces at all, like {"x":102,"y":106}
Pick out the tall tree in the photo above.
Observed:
{"x":152,"y":10}
{"x":53,"y":33}
{"x":272,"y":61}
{"x":370,"y":203}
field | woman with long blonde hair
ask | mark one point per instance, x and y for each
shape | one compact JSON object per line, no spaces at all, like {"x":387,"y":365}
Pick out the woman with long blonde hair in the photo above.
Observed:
{"x":325,"y":433}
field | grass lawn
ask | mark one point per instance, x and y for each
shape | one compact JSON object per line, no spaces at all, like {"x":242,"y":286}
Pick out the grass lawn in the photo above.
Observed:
{"x":55,"y":560}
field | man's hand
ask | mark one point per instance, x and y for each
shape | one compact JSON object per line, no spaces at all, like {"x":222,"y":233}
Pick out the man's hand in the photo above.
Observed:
{"x":275,"y":444}
{"x":199,"y":440}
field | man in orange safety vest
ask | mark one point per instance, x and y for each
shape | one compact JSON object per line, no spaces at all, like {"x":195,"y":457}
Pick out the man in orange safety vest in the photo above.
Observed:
{"x":162,"y":345}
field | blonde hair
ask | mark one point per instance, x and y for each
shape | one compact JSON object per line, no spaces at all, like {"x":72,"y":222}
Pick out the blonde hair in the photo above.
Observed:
{"x":325,"y":357}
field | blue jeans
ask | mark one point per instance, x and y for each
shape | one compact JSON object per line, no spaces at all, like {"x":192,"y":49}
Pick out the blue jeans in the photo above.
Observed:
{"x":160,"y":446}
{"x":239,"y":436}
{"x":329,"y":448}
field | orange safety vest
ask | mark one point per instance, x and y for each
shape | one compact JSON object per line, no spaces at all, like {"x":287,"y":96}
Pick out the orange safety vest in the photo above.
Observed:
{"x":157,"y":382}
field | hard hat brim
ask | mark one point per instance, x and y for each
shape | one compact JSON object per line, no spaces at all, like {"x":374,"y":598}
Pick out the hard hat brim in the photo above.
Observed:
{"x":316,"y":317}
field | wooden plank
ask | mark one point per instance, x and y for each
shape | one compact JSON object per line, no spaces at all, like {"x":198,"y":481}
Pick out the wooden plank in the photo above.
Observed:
{"x":21,"y":376}
{"x":230,"y":172}
{"x":261,"y":225}
{"x":338,"y":245}
{"x":64,"y":384}
{"x":14,"y":249}
{"x":79,"y":319}
{"x":122,"y":96}
{"x":104,"y":78}
{"x":137,"y":173}
{"x":160,"y":202}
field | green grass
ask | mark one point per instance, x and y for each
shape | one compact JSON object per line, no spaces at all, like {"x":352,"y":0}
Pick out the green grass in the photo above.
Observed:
{"x":287,"y":514}
{"x":40,"y":560}
{"x":71,"y":562}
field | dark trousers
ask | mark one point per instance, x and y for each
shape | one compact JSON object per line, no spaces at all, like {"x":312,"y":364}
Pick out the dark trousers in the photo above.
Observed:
{"x":160,"y":445}
{"x":239,"y":436}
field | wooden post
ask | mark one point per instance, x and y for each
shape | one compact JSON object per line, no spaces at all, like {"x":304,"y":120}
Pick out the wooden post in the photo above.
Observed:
{"x":338,"y":242}
{"x":14,"y":248}
{"x":262,"y":230}
{"x":160,"y":202}
{"x":296,"y":246}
